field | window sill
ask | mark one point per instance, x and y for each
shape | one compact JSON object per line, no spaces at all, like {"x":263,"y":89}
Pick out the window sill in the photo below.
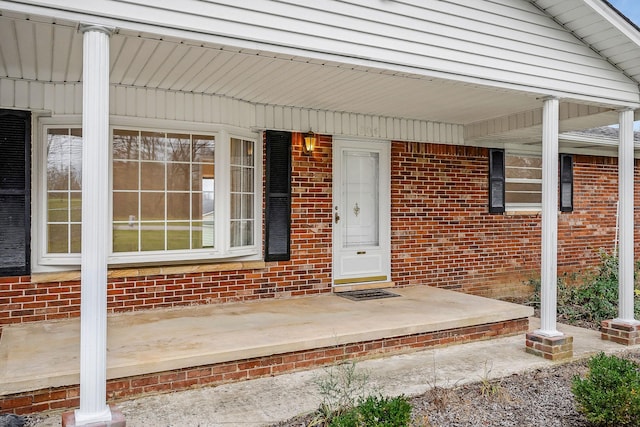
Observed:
{"x":523,"y":213}
{"x":112,"y":273}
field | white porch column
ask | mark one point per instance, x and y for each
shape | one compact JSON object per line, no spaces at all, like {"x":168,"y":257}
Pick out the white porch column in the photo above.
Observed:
{"x":626,"y":195}
{"x":95,"y":226}
{"x":549,"y":267}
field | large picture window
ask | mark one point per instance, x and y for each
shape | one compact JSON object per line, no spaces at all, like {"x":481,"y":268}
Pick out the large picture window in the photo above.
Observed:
{"x":160,"y":199}
{"x":174,"y":195}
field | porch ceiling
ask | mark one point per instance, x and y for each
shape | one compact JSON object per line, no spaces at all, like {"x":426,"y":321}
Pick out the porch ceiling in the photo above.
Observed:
{"x":42,"y":49}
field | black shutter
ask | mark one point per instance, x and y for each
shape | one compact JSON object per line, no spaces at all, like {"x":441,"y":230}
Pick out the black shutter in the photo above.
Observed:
{"x":278,"y":197}
{"x":496,"y":181}
{"x":15,"y":185}
{"x":566,"y":183}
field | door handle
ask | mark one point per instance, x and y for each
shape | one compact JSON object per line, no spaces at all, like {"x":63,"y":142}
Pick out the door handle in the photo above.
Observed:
{"x":336,"y":217}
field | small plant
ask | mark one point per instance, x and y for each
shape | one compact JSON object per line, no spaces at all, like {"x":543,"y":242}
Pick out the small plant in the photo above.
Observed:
{"x":376,"y":411}
{"x":341,"y":389}
{"x":610,"y":394}
{"x":489,"y":388}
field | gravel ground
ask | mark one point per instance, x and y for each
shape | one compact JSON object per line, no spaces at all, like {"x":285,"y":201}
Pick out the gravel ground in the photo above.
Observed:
{"x":538,"y":398}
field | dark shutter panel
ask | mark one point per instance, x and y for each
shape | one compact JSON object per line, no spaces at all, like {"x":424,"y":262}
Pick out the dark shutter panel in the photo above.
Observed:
{"x":278,"y":197}
{"x":496,"y":181}
{"x":15,"y":185}
{"x":566,"y":183}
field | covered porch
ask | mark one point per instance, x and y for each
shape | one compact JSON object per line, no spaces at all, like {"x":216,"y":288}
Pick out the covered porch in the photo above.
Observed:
{"x":167,"y":350}
{"x":231,"y":74}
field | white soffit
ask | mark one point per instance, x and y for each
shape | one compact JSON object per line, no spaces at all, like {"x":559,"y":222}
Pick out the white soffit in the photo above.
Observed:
{"x":51,"y":51}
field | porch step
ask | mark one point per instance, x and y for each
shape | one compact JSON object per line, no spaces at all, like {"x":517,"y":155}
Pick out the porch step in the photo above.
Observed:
{"x":175,"y":342}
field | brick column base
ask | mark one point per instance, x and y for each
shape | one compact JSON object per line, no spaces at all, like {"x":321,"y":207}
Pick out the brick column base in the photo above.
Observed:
{"x":117,"y":419}
{"x":624,"y":333}
{"x":551,"y":348}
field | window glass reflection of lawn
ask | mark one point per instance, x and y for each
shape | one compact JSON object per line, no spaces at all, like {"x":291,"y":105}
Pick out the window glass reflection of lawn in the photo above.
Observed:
{"x":155,"y":237}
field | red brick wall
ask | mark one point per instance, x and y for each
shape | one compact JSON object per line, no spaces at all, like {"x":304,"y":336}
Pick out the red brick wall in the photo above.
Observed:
{"x":442,"y":235}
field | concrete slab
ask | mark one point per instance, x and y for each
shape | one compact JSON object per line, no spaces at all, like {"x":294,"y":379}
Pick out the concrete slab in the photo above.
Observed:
{"x":266,"y":401}
{"x":46,"y":354}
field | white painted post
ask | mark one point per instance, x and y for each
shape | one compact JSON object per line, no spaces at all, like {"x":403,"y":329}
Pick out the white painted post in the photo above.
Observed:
{"x":626,"y":195}
{"x":549,"y":264}
{"x":95,"y":215}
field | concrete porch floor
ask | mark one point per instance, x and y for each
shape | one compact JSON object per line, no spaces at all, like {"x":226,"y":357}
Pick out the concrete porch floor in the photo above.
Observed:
{"x":46,"y":354}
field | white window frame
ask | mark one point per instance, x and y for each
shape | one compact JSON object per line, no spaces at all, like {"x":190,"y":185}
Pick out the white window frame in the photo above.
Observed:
{"x":521,"y":207}
{"x":222,"y":251}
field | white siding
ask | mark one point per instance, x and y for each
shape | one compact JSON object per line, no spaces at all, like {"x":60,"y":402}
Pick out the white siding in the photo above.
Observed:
{"x":66,"y":99}
{"x":498,"y":42}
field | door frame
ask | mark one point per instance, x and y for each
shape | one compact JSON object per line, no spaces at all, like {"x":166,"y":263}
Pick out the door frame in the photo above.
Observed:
{"x":383,"y":277}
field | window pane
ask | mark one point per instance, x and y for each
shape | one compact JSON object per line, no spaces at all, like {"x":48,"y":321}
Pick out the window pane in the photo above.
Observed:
{"x":58,"y":159}
{"x":247,"y":180}
{"x":152,"y":206}
{"x":178,"y":176}
{"x":152,"y":176}
{"x":203,"y":234}
{"x":75,"y":144}
{"x":236,"y":234}
{"x":236,"y":206}
{"x":126,"y":144}
{"x":125,"y":237}
{"x":178,"y":235}
{"x":153,"y":146}
{"x":247,"y":233}
{"x":76,"y":238}
{"x":178,"y":148}
{"x":152,"y":236}
{"x":241,"y":233}
{"x":58,"y":207}
{"x":524,"y":198}
{"x":178,"y":206}
{"x":247,"y":206}
{"x":203,"y":149}
{"x":236,"y":151}
{"x":523,"y":173}
{"x":76,"y":206}
{"x":524,"y":161}
{"x":125,"y":206}
{"x":523,"y":193}
{"x":236,"y":178}
{"x":58,"y":242}
{"x":201,"y":172}
{"x":125,"y":175}
{"x":247,"y":153}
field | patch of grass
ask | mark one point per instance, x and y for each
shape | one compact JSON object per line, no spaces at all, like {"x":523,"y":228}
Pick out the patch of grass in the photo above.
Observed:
{"x":376,"y":411}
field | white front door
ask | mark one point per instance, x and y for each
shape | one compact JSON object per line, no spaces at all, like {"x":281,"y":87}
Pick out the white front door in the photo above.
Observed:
{"x":361,"y":212}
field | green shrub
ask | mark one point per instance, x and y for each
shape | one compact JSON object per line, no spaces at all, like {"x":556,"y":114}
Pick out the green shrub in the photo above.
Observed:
{"x":588,"y":297}
{"x":610,"y":393}
{"x":376,"y":411}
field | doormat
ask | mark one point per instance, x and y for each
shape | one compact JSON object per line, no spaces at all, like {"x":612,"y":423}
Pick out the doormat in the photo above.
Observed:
{"x":366,"y":294}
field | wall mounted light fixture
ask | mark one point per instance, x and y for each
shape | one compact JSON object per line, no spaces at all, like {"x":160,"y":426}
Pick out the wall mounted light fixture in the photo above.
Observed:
{"x":308,"y":143}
